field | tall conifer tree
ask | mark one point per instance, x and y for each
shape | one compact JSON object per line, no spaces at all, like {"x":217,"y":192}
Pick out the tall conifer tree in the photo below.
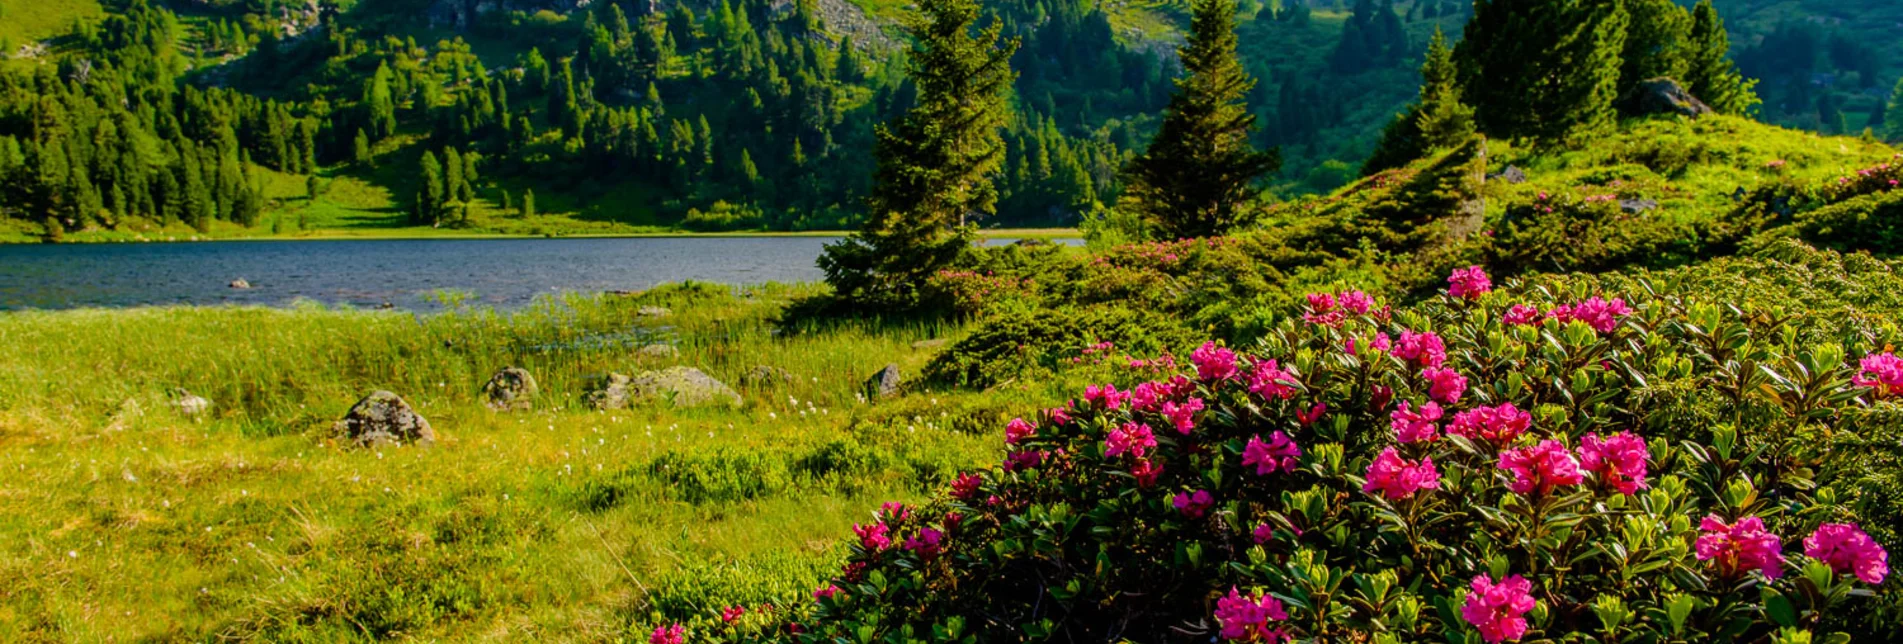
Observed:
{"x":1196,"y":179}
{"x":1710,"y":75}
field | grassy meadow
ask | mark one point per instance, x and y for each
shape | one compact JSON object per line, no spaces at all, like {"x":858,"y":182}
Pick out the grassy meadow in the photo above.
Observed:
{"x":123,"y":520}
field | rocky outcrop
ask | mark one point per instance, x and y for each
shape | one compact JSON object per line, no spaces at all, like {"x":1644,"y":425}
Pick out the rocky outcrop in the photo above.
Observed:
{"x":384,"y":418}
{"x":605,"y":391}
{"x":885,"y":383}
{"x":682,"y":387}
{"x":510,"y":389}
{"x":1662,"y":96}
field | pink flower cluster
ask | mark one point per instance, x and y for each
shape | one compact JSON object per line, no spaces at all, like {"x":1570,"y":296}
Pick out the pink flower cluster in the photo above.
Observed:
{"x":1882,"y":372}
{"x":1468,"y":283}
{"x":1848,"y":550}
{"x":1330,"y":309}
{"x":1740,"y":546}
{"x":672,"y":634}
{"x":1412,"y":425}
{"x":1420,"y":349}
{"x":1398,"y":478}
{"x":1498,"y":609}
{"x":1018,"y":430}
{"x":1269,"y":380}
{"x":1500,"y":424}
{"x":927,"y":543}
{"x":1193,"y":505}
{"x":1276,"y":454}
{"x":966,"y":486}
{"x":872,"y":537}
{"x":1444,"y":385}
{"x":1246,"y":618}
{"x":1134,"y":439}
{"x":1379,"y":342}
{"x":1183,"y":416}
{"x":1522,"y":315}
{"x":1213,"y":362}
{"x":1618,"y":460}
{"x":1146,"y":472}
{"x":732,"y":614}
{"x":1105,"y":396}
{"x":1601,"y":314}
{"x":1540,"y":468}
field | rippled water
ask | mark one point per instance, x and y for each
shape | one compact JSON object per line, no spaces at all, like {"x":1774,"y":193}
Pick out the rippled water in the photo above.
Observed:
{"x":401,"y":273}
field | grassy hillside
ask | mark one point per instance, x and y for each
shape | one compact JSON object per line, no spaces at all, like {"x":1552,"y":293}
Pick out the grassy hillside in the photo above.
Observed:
{"x":24,"y":21}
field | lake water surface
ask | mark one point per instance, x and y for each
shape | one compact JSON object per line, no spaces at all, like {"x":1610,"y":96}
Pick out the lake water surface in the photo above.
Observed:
{"x":402,"y":273}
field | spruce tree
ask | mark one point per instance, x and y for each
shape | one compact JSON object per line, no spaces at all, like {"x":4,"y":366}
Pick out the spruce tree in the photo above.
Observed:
{"x":1444,"y":121}
{"x":429,"y":195}
{"x":1546,"y":70}
{"x":936,"y":163}
{"x":1657,"y":41}
{"x":1893,"y":125}
{"x":1196,"y":179}
{"x":1710,"y":75}
{"x":528,"y":203}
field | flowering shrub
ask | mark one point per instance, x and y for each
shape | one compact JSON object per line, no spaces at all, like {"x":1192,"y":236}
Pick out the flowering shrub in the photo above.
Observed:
{"x":1657,"y":470}
{"x":1882,"y":177}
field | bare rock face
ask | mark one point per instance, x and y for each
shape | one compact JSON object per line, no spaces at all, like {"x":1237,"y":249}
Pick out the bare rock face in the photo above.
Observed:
{"x":383,"y":418}
{"x":510,"y":389}
{"x":885,"y":383}
{"x":1662,"y":96}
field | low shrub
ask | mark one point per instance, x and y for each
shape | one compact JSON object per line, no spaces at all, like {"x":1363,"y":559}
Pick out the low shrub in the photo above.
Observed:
{"x":1026,"y":344}
{"x":1544,"y":462}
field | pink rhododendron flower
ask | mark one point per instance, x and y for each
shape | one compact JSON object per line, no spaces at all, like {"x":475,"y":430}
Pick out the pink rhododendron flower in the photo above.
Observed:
{"x":1618,"y":460}
{"x":1421,"y":349}
{"x":1735,"y":547}
{"x":1355,"y":302}
{"x":673,"y":634}
{"x":1262,"y":534}
{"x":1214,"y":362}
{"x":1412,"y":425}
{"x":1146,"y":472}
{"x":1322,"y":310}
{"x":966,"y":486}
{"x":1246,"y":618}
{"x":1193,"y":505}
{"x":927,"y":543}
{"x":1501,"y":423}
{"x":1498,"y":609}
{"x":1398,"y":478}
{"x":1024,"y":459}
{"x":1134,"y":439}
{"x":1848,"y":551}
{"x":1444,"y":385}
{"x":826,"y":592}
{"x":1268,"y":380}
{"x":1522,"y":314}
{"x":1379,"y":342}
{"x":1277,"y":454}
{"x":732,"y":614}
{"x":1106,"y":395}
{"x":872,"y":537}
{"x":1470,"y":283}
{"x":1018,"y":430}
{"x":1313,"y":414}
{"x":1540,"y":468}
{"x":1183,"y":416}
{"x":1379,"y":396}
{"x":1148,"y":397}
{"x":1882,"y":372}
{"x":1059,"y":416}
{"x":1601,"y":314}
{"x":894,"y":511}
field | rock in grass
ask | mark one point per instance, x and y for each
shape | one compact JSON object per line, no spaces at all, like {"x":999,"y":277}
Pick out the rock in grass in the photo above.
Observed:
{"x":384,"y":418}
{"x":188,"y":404}
{"x":885,"y":383}
{"x":765,"y":376}
{"x":682,"y":387}
{"x":511,"y":388}
{"x":605,"y":391}
{"x":239,"y":284}
{"x":1661,"y":96}
{"x":658,"y":351}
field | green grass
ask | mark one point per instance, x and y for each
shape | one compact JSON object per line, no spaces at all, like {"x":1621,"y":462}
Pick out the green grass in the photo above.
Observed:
{"x":121,"y":519}
{"x":23,"y":21}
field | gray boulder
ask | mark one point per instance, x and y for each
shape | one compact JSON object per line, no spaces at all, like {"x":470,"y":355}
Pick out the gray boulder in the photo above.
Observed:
{"x":383,"y":418}
{"x":1662,"y":96}
{"x":188,"y":404}
{"x":511,"y":388}
{"x":682,"y":387}
{"x":1636,"y":206}
{"x":606,"y":391}
{"x":239,"y":284}
{"x":1513,"y":175}
{"x":885,"y":383}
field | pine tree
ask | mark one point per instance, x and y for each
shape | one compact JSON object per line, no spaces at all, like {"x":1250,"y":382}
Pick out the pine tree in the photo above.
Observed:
{"x":1710,"y":75}
{"x":429,"y":196}
{"x":1546,"y":70}
{"x":452,"y":175}
{"x":360,"y":148}
{"x":1196,"y":179}
{"x":1444,"y":121}
{"x":1657,"y":41}
{"x":528,"y":203}
{"x":936,"y":163}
